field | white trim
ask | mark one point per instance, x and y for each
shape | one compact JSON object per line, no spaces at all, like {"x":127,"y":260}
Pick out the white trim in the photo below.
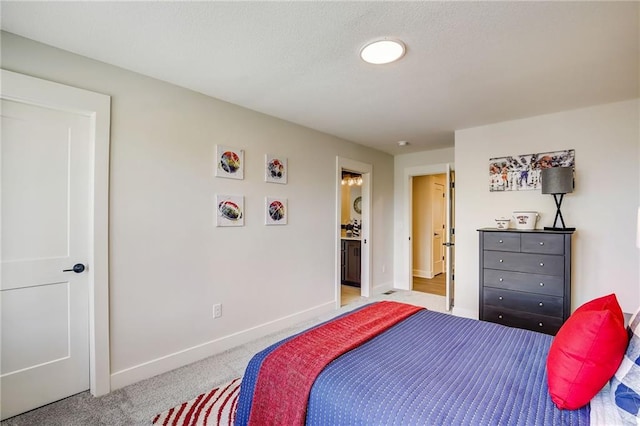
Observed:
{"x":466,"y":313}
{"x":366,"y":170}
{"x":381,"y":288}
{"x":196,"y":353}
{"x":422,"y":273}
{"x":97,"y":107}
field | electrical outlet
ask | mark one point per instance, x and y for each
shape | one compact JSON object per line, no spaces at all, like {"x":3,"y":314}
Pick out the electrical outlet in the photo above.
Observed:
{"x":217,"y":310}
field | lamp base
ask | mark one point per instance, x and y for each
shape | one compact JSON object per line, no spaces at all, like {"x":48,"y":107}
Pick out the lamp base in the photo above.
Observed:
{"x":553,"y":228}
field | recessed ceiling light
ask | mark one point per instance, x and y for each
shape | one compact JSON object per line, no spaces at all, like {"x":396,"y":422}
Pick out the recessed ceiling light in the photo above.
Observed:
{"x":403,"y":143}
{"x":383,"y":51}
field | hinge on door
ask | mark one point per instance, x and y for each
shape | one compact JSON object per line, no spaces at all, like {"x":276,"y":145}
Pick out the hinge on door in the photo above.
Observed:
{"x":453,"y":185}
{"x":442,"y":257}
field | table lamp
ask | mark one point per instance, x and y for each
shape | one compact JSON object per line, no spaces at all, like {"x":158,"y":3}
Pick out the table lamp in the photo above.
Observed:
{"x":557,"y":181}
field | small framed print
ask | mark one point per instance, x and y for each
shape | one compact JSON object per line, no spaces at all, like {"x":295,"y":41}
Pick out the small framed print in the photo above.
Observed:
{"x":229,"y":210}
{"x":276,"y":211}
{"x":229,"y":162}
{"x":275,"y":169}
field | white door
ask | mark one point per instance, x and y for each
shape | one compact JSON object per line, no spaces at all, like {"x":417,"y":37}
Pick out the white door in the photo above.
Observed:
{"x":46,"y":189}
{"x":438,"y":228}
{"x":450,"y":238}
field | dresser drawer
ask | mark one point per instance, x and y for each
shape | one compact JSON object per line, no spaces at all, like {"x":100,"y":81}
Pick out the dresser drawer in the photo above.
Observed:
{"x":542,"y":243}
{"x":534,"y":303}
{"x":504,"y":241}
{"x":526,"y":320}
{"x":552,"y":285}
{"x":545,"y":264}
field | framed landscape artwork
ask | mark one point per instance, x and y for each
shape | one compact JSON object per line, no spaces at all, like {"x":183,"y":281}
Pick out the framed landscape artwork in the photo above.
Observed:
{"x":522,"y":172}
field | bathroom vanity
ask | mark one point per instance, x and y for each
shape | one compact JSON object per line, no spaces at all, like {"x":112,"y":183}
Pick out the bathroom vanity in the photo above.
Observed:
{"x":350,"y":261}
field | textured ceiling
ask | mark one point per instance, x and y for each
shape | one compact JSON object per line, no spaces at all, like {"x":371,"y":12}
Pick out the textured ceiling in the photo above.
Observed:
{"x":467,"y":63}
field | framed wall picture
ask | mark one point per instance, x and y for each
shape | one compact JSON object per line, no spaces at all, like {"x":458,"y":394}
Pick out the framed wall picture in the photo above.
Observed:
{"x":522,"y":172}
{"x":275,"y":169}
{"x":276,"y":211}
{"x":229,"y":210}
{"x":229,"y":162}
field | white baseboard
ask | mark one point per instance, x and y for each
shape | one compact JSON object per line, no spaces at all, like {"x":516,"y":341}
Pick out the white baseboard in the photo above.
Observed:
{"x":466,"y":313}
{"x":181,"y":358}
{"x":422,"y":274}
{"x":381,"y":288}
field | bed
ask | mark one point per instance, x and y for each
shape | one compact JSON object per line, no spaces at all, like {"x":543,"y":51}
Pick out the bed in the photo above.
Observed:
{"x":427,"y":368}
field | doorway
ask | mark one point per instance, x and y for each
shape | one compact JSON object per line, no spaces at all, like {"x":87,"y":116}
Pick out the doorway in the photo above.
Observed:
{"x":428,"y":233}
{"x":427,"y":241}
{"x":353,"y":222}
{"x":350,"y":241}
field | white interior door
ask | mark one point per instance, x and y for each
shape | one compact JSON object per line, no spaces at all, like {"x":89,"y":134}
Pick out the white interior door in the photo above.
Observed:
{"x":450,"y":238}
{"x":46,"y":190}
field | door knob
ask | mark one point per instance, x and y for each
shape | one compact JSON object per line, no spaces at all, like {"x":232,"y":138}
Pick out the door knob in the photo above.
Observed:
{"x":77,"y":268}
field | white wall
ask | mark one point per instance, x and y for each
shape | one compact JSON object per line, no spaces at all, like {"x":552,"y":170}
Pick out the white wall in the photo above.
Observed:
{"x":405,"y":166}
{"x":169,"y":263}
{"x":603,"y":206}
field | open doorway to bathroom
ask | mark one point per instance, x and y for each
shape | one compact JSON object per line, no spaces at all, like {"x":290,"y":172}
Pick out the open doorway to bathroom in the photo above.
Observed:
{"x":353,"y":223}
{"x":350,"y":236}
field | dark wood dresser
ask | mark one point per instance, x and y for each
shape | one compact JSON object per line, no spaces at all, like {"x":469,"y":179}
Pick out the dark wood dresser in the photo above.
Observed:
{"x":525,"y":278}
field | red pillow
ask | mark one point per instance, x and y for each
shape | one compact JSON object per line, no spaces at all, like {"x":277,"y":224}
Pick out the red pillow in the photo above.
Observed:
{"x":585,"y":354}
{"x":608,"y":302}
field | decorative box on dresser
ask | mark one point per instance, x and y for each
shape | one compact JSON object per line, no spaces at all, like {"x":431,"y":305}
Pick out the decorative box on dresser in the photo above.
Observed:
{"x":525,"y":278}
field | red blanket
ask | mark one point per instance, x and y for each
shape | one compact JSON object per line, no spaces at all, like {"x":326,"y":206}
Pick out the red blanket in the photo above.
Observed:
{"x":287,"y":374}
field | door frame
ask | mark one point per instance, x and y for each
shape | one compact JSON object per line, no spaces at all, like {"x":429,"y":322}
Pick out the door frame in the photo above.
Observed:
{"x":366,"y":170}
{"x":406,"y":267}
{"x":34,"y":91}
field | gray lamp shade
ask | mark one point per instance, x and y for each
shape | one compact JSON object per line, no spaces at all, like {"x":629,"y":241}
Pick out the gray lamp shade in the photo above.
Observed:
{"x":557,"y":180}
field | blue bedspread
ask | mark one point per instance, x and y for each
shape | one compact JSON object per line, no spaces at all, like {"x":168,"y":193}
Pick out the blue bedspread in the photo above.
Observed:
{"x":434,"y":369}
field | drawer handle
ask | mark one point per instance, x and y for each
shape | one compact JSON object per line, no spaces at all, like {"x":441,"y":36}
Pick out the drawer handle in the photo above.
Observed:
{"x":501,"y":260}
{"x":541,"y":264}
{"x":499,"y":316}
{"x":501,"y":279}
{"x":541,"y":284}
{"x":540,"y":324}
{"x":500,"y":241}
{"x":500,"y":297}
{"x":540,"y":304}
{"x":541,"y":243}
